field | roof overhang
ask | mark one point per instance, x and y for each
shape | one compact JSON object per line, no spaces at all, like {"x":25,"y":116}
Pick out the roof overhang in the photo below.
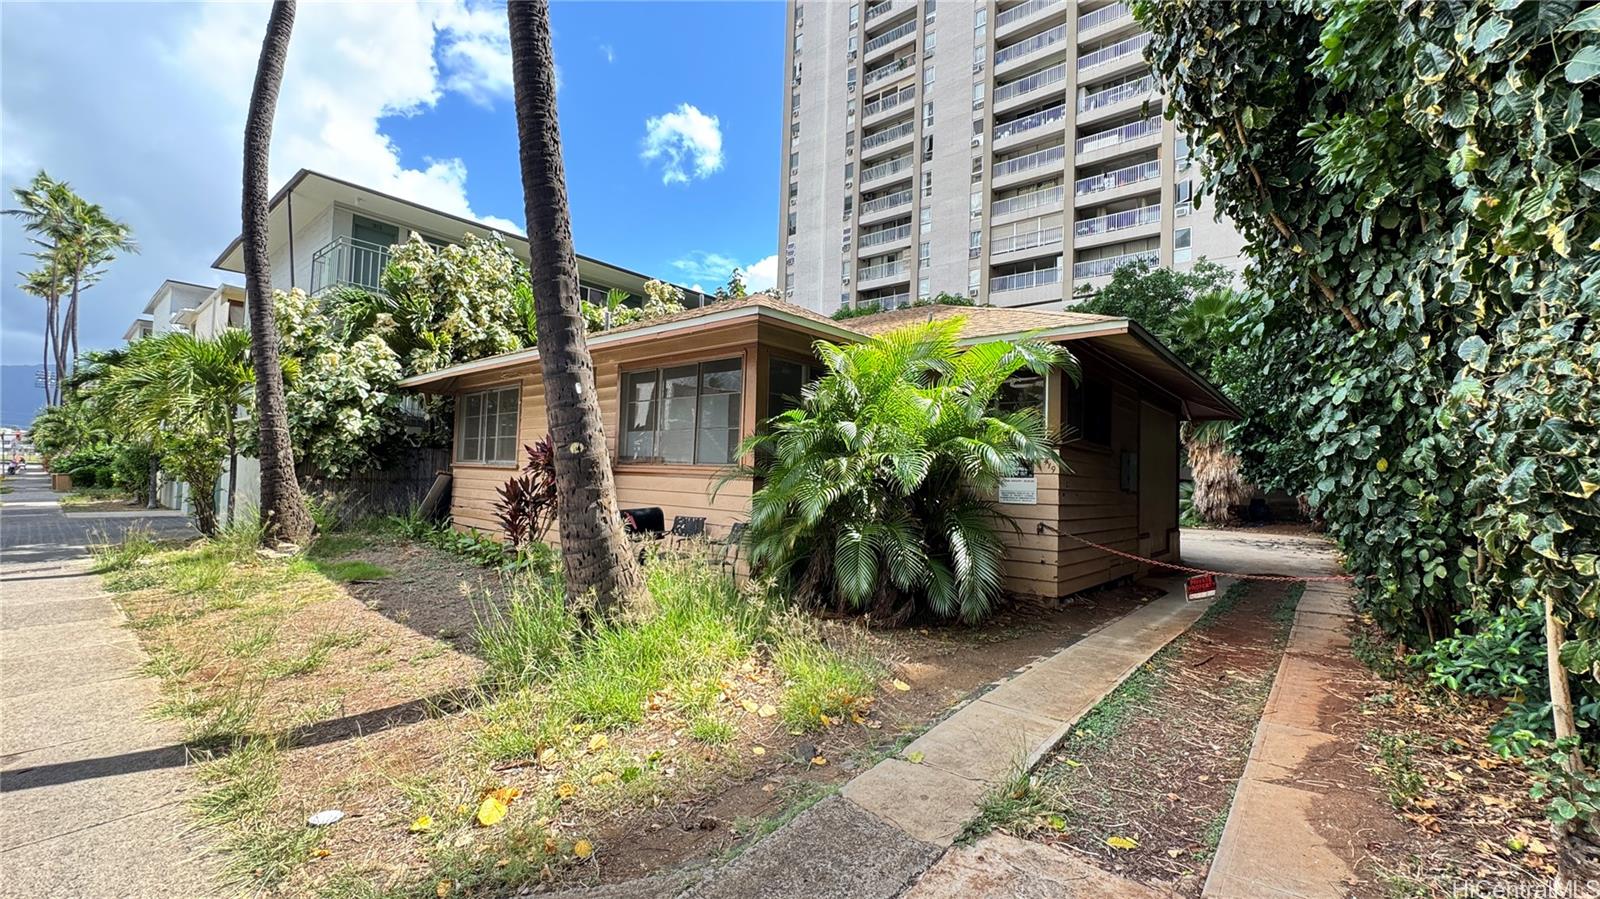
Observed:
{"x":441,"y":381}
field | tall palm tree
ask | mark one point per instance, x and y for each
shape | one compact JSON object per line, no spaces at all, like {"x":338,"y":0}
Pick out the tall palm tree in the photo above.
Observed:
{"x":44,"y":284}
{"x":93,"y":239}
{"x":44,"y":206}
{"x":284,"y":516}
{"x":594,"y":549}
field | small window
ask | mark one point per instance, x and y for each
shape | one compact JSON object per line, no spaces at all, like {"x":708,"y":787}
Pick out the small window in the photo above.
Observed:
{"x":488,"y":431}
{"x":684,"y":414}
{"x":1182,"y":245}
{"x":1023,"y":390}
{"x":786,"y":382}
{"x":1089,"y":411}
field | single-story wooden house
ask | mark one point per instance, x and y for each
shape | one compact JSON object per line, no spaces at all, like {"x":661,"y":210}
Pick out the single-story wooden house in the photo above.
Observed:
{"x":679,"y":392}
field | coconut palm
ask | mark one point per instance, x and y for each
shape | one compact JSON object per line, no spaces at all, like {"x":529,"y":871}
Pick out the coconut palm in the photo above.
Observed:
{"x":877,"y":493}
{"x":44,"y":207}
{"x":46,"y":284}
{"x":93,"y":238}
{"x":595,"y":553}
{"x":284,"y":516}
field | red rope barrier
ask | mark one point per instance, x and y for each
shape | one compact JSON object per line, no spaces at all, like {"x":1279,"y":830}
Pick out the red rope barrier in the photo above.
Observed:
{"x":1244,"y":577}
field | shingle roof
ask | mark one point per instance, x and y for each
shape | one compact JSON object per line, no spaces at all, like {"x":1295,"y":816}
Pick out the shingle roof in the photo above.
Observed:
{"x":764,"y":300}
{"x":982,"y":321}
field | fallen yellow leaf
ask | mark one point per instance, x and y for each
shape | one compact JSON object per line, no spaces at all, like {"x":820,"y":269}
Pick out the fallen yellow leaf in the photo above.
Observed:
{"x":423,"y":823}
{"x":826,"y":721}
{"x":491,"y":812}
{"x":900,"y":685}
{"x":758,"y":750}
{"x":583,"y":849}
{"x":819,"y":761}
{"x":320,"y":853}
{"x":914,"y":758}
{"x":549,"y":756}
{"x":598,"y":742}
{"x":506,"y":794}
{"x":749,"y":705}
{"x":1122,"y":842}
{"x":767,"y":710}
{"x":566,"y":791}
{"x":604,"y":777}
{"x":443,"y":889}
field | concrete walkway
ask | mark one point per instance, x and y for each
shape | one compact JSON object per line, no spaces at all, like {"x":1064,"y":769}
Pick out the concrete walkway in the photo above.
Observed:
{"x":92,"y":791}
{"x":897,"y":818}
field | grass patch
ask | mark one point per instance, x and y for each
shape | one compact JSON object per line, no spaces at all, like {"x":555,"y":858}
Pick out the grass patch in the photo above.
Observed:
{"x":86,"y":496}
{"x":1015,"y":806}
{"x":712,"y":730}
{"x":351,"y":570}
{"x":821,"y":682}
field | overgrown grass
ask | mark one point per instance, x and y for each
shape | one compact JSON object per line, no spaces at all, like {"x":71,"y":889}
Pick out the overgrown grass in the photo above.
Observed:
{"x":821,"y":682}
{"x":352,"y":570}
{"x":1015,"y":805}
{"x":84,"y":496}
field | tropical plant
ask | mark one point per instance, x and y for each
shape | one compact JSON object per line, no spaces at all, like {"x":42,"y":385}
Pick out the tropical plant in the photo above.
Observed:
{"x":527,"y":504}
{"x":210,"y":380}
{"x":284,"y":516}
{"x":734,"y":289}
{"x":597,"y":559}
{"x":1417,"y":187}
{"x":443,"y":305}
{"x":877,"y":493}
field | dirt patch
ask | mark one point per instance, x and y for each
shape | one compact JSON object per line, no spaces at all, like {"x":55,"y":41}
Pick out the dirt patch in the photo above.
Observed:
{"x":435,"y":594}
{"x":1424,"y":806}
{"x":1143,"y":784}
{"x":92,"y":507}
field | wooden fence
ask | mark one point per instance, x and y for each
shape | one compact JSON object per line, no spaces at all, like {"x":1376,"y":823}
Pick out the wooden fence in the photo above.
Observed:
{"x":393,"y":489}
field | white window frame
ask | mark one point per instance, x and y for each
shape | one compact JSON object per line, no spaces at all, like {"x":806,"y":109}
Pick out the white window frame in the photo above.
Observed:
{"x":657,"y":401}
{"x":464,"y":423}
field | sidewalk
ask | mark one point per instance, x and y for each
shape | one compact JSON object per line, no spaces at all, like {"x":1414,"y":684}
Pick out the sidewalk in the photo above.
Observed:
{"x":897,"y":818}
{"x":92,"y":790}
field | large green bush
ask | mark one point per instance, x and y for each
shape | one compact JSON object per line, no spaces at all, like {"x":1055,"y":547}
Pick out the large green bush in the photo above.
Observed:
{"x":877,"y":493}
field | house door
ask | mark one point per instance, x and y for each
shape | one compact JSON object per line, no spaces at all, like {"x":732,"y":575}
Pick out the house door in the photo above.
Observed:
{"x":1158,"y":480}
{"x":369,"y":250}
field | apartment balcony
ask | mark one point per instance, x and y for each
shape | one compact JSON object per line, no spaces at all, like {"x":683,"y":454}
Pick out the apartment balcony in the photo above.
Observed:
{"x":896,"y":37}
{"x":876,"y":243}
{"x":1041,"y":46}
{"x":1039,"y":84}
{"x":894,"y":71}
{"x":886,"y":207}
{"x":886,"y":173}
{"x":1141,"y":134}
{"x":1023,"y":288}
{"x":1035,"y":202}
{"x":1096,"y":272}
{"x":888,"y":106}
{"x":1026,"y":244}
{"x":1035,"y":166}
{"x":1029,"y":12}
{"x":1130,"y":224}
{"x":1112,"y":59}
{"x":1030,"y":127}
{"x":1104,"y":22}
{"x":1118,"y":184}
{"x":347,"y":262}
{"x":882,"y":275}
{"x":1116,"y":99}
{"x":887,"y":141}
{"x":887,"y":11}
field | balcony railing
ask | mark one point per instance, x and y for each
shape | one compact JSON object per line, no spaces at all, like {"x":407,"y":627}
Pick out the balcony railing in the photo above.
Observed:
{"x":1133,"y":174}
{"x":1135,"y":44}
{"x":888,"y":102}
{"x":1037,"y":42}
{"x":880,"y":138}
{"x":1117,"y":221}
{"x":888,"y":71}
{"x":886,"y":6}
{"x":1101,"y":16}
{"x":1029,"y":162}
{"x":897,"y":164}
{"x":885,"y":235}
{"x":347,"y":261}
{"x":882,"y":270}
{"x":1130,"y":131}
{"x":899,"y":198}
{"x":1023,"y":10}
{"x":1050,"y":196}
{"x":1095,"y":268}
{"x":1053,"y":75}
{"x":1025,"y":280}
{"x":1117,"y":93}
{"x":1027,"y":240}
{"x":1028,"y":123}
{"x":892,"y":35}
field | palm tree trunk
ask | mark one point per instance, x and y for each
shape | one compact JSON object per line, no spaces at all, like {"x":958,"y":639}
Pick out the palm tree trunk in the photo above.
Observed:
{"x":233,"y":466}
{"x":594,"y":549}
{"x":71,"y":325}
{"x":284,"y":517}
{"x":49,"y":331}
{"x":155,"y":480}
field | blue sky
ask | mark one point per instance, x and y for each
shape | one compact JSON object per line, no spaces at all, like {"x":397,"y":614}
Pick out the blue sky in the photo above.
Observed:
{"x":411,"y":98}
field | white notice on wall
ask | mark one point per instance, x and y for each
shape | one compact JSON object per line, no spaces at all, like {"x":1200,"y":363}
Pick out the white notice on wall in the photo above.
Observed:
{"x":1020,"y":491}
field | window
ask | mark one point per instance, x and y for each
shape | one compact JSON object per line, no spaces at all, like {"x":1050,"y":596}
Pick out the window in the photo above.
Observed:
{"x":932,"y":7}
{"x":1180,"y":152}
{"x":850,"y":78}
{"x":786,"y":381}
{"x":844,"y":271}
{"x":488,"y":430}
{"x":976,"y":203}
{"x":977,"y":95}
{"x":1183,"y":198}
{"x":924,"y":288}
{"x":927,"y":114}
{"x":794,"y":163}
{"x":1182,"y":249}
{"x":853,"y":44}
{"x":927,"y":76}
{"x":1021,"y":391}
{"x":926,"y":226}
{"x":980,"y":17}
{"x":1089,"y":411}
{"x":972,"y":283}
{"x":849,"y":170}
{"x":927,"y":148}
{"x":849,"y":205}
{"x":974,"y":244}
{"x":929,"y":41}
{"x":793,"y":224}
{"x":855,"y":14}
{"x":799,"y":42}
{"x":683,"y":414}
{"x":927,"y":184}
{"x":925,"y":252}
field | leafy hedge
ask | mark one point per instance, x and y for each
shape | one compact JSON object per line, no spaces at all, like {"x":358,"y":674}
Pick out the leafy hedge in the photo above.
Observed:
{"x":1417,"y":186}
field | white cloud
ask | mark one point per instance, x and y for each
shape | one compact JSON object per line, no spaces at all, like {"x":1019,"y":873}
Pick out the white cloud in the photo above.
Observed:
{"x":715,"y":268}
{"x":687,"y":141}
{"x":150,"y":123}
{"x":609,"y":52}
{"x":762,"y":274}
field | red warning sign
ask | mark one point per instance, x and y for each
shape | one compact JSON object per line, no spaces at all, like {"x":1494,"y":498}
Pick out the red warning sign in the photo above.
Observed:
{"x":1202,"y":587}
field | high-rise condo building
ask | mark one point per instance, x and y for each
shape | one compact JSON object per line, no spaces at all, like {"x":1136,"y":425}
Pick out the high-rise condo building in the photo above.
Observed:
{"x":1012,"y":152}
